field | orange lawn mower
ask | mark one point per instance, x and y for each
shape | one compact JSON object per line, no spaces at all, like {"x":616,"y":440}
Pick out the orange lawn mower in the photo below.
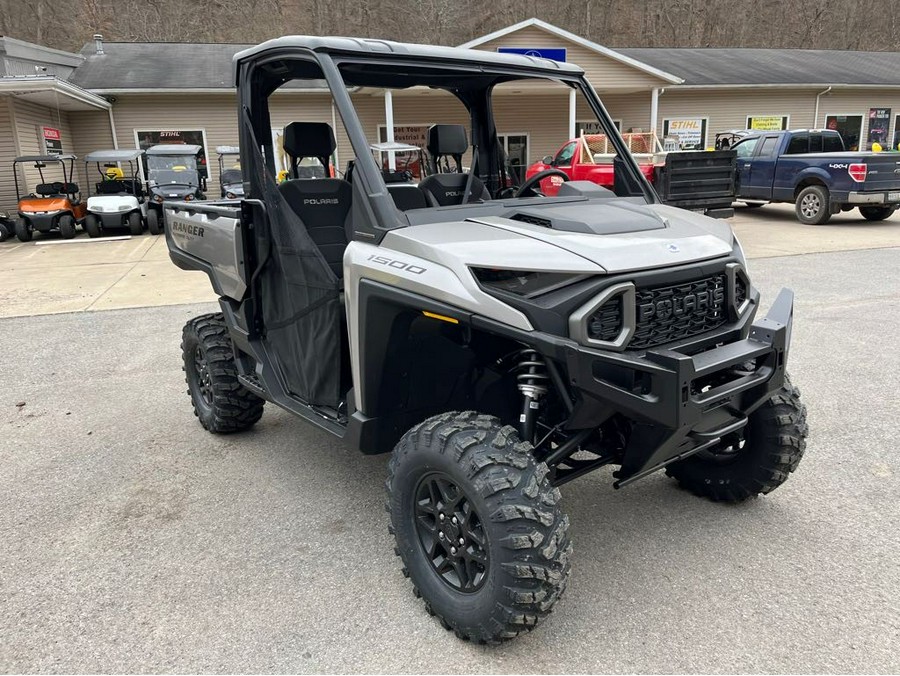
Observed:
{"x":52,"y":206}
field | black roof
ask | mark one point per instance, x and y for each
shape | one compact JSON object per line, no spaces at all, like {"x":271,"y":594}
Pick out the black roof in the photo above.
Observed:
{"x":773,"y":66}
{"x":156,"y":65}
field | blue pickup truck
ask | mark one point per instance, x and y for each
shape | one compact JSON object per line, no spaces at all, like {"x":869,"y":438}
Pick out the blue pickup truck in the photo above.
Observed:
{"x":812,"y":170}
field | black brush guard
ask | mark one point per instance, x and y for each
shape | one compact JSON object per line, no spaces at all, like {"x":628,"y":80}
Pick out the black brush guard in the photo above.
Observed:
{"x":682,"y":403}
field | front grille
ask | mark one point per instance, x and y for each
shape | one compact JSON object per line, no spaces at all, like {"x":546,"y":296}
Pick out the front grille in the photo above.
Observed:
{"x":665,"y":314}
{"x":606,"y":322}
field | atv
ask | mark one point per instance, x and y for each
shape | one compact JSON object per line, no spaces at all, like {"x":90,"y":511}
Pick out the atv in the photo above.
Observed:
{"x":172,"y":174}
{"x":499,"y":343}
{"x":52,"y":206}
{"x":231,"y":182}
{"x":119,"y":202}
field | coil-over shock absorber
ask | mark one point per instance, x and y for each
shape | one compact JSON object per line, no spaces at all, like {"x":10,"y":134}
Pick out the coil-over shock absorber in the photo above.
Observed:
{"x":531,"y":379}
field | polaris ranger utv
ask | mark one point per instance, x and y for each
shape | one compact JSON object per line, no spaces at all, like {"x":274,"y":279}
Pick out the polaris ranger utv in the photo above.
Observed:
{"x":500,"y":342}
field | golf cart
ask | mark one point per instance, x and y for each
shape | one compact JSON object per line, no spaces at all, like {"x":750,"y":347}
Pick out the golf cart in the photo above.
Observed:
{"x":498,"y":342}
{"x":119,"y":201}
{"x":52,"y":206}
{"x":7,"y":227}
{"x":231,"y":181}
{"x":400,"y":162}
{"x":172,"y":174}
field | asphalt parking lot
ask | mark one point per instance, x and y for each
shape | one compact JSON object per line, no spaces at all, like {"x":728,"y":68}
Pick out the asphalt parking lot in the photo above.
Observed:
{"x":135,"y":541}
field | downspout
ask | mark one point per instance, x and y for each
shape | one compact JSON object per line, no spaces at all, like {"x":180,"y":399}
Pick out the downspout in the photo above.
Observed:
{"x":112,"y":128}
{"x":816,"y":116}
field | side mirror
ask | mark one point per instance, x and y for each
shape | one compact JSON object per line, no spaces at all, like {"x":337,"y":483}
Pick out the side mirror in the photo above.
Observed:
{"x":547,"y":159}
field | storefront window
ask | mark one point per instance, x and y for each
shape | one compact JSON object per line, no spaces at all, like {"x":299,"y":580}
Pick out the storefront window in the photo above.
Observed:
{"x":848,"y":126}
{"x":690,"y":132}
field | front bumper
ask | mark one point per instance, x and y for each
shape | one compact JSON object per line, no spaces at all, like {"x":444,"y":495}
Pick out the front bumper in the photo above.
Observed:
{"x":42,"y":222}
{"x":686,"y":398}
{"x":878,"y":198}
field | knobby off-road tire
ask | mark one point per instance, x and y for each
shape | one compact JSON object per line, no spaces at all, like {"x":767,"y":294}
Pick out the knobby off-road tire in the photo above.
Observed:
{"x":154,"y":223}
{"x":92,"y":225}
{"x":774,"y":442}
{"x":507,"y":513}
{"x":876,"y":213}
{"x":135,"y":223}
{"x":812,"y":206}
{"x":220,"y":401}
{"x":23,"y":230}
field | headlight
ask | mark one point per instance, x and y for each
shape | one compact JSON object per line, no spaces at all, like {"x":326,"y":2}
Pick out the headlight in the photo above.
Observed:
{"x":158,"y":198}
{"x":230,"y":195}
{"x":188,"y":198}
{"x":526,"y":283}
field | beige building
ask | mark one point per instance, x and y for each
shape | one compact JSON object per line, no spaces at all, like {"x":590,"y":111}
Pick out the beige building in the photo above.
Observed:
{"x":130,"y":95}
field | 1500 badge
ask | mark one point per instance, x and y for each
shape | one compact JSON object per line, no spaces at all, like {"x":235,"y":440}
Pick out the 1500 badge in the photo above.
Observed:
{"x":397,"y":265}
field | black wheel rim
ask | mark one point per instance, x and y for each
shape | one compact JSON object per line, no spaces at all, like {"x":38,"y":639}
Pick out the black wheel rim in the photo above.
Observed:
{"x":726,"y":451}
{"x":451,"y":533}
{"x":204,"y":382}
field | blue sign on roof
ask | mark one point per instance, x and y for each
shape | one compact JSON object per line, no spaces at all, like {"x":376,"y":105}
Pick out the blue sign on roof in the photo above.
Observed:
{"x":552,"y":53}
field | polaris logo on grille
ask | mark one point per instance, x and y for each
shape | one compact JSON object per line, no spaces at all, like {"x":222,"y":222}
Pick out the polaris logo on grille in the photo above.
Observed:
{"x":677,"y":306}
{"x":321,"y":200}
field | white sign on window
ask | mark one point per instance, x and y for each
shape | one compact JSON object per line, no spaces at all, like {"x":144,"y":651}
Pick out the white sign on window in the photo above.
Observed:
{"x":689,"y":132}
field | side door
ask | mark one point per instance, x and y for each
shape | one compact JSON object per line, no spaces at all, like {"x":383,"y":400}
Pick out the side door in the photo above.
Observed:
{"x":744,"y":151}
{"x":563,"y":160}
{"x":762,"y":168}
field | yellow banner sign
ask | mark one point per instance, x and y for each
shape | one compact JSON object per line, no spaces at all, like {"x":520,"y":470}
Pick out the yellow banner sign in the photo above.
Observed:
{"x":767,"y":122}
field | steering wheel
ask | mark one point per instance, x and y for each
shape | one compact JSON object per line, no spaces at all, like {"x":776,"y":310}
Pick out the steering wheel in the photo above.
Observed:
{"x":528,"y":185}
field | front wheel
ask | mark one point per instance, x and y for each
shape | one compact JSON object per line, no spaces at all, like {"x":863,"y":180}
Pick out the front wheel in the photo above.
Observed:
{"x":812,"y":205}
{"x":876,"y":213}
{"x":153,"y":222}
{"x":135,"y":224}
{"x":66,"y":225}
{"x":221,"y":403}
{"x":478,"y":526}
{"x":23,"y":230}
{"x":92,"y":225}
{"x":5,"y":234}
{"x":757,"y":459}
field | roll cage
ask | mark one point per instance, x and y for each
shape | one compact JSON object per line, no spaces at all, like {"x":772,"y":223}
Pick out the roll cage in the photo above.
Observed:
{"x":346,"y":64}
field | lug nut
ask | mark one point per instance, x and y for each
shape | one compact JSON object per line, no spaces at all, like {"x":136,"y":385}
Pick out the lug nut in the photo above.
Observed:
{"x":453,"y":521}
{"x":453,"y":550}
{"x":441,"y":535}
{"x":441,"y":517}
{"x":462,"y":541}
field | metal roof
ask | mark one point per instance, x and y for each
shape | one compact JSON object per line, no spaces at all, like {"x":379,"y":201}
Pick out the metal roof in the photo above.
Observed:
{"x":174,"y":149}
{"x":706,"y":67}
{"x":124,"y":155}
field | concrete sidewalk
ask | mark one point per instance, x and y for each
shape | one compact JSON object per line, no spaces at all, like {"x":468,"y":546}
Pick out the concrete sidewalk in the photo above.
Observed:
{"x":49,"y":275}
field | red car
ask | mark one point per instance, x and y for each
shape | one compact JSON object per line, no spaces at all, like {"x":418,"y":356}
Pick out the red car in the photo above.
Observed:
{"x":590,"y":158}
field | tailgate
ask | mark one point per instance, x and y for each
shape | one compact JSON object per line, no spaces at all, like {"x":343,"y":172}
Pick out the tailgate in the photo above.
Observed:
{"x":883,"y":172}
{"x":206,"y":236}
{"x":697,"y":179}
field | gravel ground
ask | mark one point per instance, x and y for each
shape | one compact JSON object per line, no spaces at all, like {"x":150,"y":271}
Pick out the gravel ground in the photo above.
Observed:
{"x":134,"y":541}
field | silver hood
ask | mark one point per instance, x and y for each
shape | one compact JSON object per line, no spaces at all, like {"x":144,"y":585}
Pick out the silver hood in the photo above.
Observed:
{"x":628,"y":237}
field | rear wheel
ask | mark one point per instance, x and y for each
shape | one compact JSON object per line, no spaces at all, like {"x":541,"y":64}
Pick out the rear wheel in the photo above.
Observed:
{"x":220,"y":401}
{"x":876,"y":213}
{"x":5,"y":233}
{"x":812,"y":205}
{"x":66,"y":225}
{"x":24,"y":231}
{"x":92,"y":225}
{"x":755,"y":461}
{"x":135,"y":225}
{"x":153,"y":222}
{"x":478,"y":526}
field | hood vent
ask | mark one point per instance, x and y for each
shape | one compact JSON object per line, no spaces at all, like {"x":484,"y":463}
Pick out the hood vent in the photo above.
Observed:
{"x":532,"y":219}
